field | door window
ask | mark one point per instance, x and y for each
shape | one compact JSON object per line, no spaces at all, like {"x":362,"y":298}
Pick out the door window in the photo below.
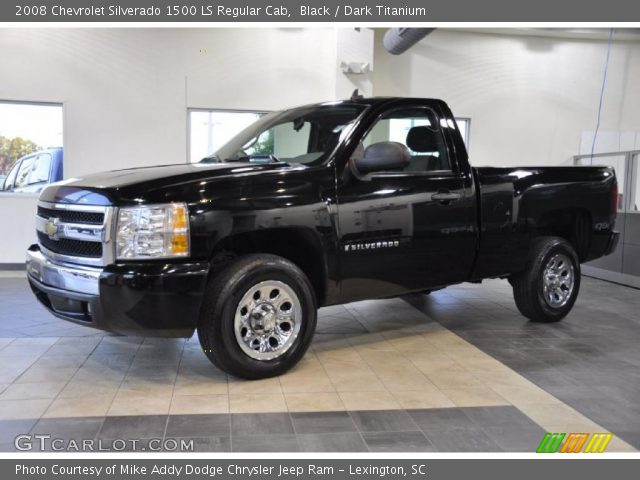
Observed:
{"x":419,"y":131}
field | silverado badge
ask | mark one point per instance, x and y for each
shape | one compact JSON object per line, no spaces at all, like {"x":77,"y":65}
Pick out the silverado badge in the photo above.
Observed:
{"x":373,"y":245}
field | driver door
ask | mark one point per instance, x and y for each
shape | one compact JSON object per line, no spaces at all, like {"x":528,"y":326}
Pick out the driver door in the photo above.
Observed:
{"x":410,"y":229}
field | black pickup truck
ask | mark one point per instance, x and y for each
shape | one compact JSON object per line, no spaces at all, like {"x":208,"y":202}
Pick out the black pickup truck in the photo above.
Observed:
{"x":312,"y":206}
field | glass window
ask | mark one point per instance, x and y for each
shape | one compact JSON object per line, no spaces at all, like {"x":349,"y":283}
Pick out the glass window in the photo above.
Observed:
{"x":26,"y":128}
{"x":418,"y":130}
{"x":41,"y":169}
{"x":284,"y":141}
{"x":22,"y":178}
{"x":210,"y":129}
{"x":290,"y":139}
{"x":301,"y":135}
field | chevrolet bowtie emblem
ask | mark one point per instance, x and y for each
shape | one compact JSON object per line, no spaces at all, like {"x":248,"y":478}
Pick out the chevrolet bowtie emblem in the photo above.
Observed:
{"x":51,"y":227}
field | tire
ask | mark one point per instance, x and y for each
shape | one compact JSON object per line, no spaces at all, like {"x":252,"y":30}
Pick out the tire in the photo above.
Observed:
{"x":546,"y":291}
{"x":266,"y":335}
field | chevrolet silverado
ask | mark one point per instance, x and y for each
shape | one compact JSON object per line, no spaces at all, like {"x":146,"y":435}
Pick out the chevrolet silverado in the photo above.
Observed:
{"x":312,"y":206}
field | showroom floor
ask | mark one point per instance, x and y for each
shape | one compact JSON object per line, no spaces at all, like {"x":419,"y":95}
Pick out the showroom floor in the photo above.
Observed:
{"x":458,"y":370}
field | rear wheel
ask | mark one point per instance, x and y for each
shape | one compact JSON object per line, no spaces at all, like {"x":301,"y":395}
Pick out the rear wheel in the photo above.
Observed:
{"x":258,"y":317}
{"x":548,"y":288}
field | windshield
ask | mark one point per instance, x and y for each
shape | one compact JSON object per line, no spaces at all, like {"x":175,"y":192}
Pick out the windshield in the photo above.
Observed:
{"x":303,"y":135}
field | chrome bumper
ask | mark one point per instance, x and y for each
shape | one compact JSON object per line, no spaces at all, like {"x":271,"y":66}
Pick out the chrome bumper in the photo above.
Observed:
{"x":66,"y":277}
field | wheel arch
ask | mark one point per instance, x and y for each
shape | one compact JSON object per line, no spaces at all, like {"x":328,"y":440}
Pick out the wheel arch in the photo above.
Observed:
{"x":571,"y":224}
{"x":300,"y":245}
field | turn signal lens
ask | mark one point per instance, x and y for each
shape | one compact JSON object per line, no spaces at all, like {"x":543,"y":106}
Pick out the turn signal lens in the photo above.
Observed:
{"x":179,"y":218}
{"x":180,"y":244}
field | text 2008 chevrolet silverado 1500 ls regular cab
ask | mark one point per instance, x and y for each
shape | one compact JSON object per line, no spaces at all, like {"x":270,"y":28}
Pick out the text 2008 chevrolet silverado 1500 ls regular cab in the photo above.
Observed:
{"x":312,"y":206}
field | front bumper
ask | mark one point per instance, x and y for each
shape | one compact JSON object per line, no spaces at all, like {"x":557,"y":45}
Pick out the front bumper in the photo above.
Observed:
{"x":156,"y":299}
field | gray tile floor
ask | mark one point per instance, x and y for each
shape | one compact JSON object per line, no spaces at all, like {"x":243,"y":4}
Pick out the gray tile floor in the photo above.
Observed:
{"x":496,"y":429}
{"x":590,"y":360}
{"x":21,"y":316}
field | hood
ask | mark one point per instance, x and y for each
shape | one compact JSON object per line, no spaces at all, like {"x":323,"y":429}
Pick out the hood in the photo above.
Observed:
{"x":108,"y":188}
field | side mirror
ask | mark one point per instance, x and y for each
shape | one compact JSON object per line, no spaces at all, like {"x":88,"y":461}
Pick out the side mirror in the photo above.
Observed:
{"x":382,"y":156}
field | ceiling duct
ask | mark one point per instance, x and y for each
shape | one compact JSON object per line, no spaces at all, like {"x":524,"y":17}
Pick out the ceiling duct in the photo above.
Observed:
{"x":399,"y":40}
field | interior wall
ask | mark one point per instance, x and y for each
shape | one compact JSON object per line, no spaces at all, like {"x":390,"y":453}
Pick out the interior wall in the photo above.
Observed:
{"x":18,"y":226}
{"x":125,"y":92}
{"x":354,"y":45}
{"x":530,"y":99}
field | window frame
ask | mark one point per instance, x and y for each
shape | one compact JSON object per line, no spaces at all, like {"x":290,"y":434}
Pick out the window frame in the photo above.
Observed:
{"x":213,"y":110}
{"x":453,"y":171}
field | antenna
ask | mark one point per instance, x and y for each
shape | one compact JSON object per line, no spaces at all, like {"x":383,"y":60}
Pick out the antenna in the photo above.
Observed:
{"x":356,"y":95}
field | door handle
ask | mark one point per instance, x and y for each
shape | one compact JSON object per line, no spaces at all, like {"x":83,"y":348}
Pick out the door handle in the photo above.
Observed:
{"x":445,"y":197}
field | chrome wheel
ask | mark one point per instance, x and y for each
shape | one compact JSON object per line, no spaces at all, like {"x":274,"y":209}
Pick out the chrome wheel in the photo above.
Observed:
{"x":558,"y":280}
{"x":267,"y":320}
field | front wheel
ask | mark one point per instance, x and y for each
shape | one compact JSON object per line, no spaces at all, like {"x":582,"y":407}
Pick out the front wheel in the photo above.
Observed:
{"x":546,"y":291}
{"x":258,"y":317}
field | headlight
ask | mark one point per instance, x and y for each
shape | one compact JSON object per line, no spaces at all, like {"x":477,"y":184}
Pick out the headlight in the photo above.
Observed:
{"x":153,"y":231}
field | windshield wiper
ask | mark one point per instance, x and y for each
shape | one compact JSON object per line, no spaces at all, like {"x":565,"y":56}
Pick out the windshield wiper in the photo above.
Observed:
{"x":211,"y":159}
{"x":265,"y":158}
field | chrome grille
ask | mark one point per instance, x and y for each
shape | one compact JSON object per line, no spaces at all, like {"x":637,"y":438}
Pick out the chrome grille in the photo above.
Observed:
{"x":78,"y":234}
{"x":72,"y":216}
{"x":74,"y":248}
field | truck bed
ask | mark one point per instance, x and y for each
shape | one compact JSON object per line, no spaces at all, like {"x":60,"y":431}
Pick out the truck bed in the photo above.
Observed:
{"x":517,"y":203}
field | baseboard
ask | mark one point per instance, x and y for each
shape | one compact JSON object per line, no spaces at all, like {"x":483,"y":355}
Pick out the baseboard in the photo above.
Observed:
{"x":609,"y":276}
